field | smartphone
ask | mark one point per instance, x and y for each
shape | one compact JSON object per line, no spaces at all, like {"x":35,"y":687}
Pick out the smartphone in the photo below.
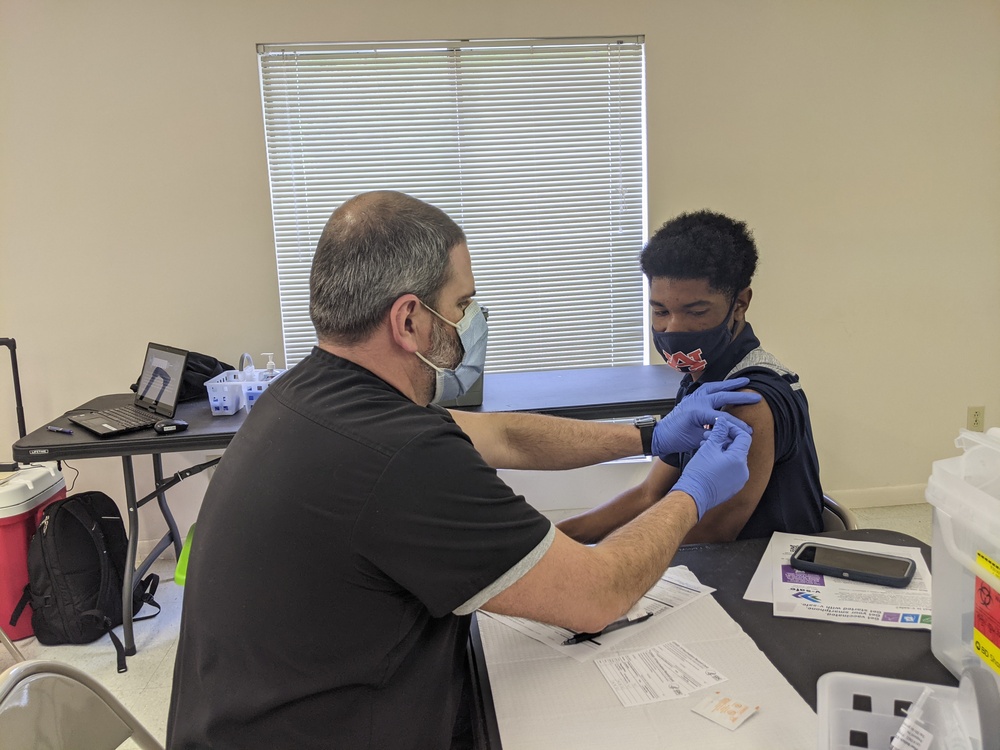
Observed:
{"x":854,"y":565}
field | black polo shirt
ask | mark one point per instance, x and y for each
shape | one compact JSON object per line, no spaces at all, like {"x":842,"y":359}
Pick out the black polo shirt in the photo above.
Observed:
{"x":342,"y":528}
{"x":793,"y":499}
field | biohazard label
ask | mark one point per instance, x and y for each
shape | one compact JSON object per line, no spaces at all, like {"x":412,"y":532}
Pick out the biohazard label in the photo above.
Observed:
{"x":991,"y":565}
{"x":986,"y":616}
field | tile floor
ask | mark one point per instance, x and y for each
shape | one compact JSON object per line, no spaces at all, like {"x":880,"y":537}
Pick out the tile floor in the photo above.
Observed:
{"x":914,"y":520}
{"x":145,"y":687}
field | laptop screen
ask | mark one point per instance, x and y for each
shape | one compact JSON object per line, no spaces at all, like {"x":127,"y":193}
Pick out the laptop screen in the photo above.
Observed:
{"x":161,"y":378}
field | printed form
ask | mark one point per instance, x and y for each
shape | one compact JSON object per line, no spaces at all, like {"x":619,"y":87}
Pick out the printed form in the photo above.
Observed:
{"x":654,"y":674}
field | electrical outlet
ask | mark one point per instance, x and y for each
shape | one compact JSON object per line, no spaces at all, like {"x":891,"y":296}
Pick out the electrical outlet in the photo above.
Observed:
{"x":975,"y":418}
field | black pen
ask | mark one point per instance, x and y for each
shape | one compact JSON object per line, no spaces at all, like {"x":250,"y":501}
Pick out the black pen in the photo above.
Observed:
{"x":63,"y":430}
{"x":616,"y":625}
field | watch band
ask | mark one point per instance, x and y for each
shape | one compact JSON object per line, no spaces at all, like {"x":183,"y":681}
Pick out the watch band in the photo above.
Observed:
{"x":646,"y":425}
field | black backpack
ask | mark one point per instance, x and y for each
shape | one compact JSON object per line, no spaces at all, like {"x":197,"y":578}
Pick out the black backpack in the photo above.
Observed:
{"x":76,"y":564}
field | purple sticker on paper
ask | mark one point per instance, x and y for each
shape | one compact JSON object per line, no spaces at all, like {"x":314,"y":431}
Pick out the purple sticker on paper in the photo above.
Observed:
{"x":890,"y":617}
{"x":802,"y":577}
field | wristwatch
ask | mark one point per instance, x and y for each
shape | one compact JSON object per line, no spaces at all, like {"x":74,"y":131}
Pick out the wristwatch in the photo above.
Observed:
{"x":646,"y":425}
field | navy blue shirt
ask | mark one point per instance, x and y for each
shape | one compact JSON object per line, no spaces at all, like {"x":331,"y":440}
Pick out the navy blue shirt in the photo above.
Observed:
{"x":793,"y":499}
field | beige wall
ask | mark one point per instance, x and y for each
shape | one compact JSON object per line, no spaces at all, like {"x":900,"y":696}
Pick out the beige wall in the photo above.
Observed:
{"x":860,"y":139}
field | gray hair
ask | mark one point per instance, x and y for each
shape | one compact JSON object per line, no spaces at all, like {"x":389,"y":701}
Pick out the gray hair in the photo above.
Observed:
{"x":375,"y":248}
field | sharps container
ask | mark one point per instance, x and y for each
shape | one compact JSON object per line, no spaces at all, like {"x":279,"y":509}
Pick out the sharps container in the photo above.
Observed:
{"x":965,"y":493}
{"x":23,"y":497}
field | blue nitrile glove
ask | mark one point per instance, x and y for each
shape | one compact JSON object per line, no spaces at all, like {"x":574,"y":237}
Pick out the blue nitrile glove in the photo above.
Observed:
{"x":719,"y":469}
{"x":683,"y":428}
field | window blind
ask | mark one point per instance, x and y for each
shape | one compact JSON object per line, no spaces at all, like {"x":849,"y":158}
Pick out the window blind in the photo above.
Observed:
{"x":534,"y":147}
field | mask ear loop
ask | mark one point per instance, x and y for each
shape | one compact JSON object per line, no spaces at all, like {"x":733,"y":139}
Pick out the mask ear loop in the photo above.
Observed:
{"x":453,"y":325}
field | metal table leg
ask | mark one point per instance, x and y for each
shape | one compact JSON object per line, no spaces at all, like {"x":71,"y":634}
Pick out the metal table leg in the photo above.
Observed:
{"x":172,"y":537}
{"x":161,"y":499}
{"x":133,"y":543}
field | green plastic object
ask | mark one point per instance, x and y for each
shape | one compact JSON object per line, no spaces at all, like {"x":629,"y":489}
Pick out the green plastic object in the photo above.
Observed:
{"x":180,"y":572}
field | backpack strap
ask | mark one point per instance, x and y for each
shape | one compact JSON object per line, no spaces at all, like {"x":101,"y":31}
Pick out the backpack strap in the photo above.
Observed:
{"x":104,"y":622}
{"x":145,"y":596}
{"x":25,"y":598}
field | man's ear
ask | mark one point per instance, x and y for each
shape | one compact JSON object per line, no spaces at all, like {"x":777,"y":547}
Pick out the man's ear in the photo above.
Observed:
{"x":404,"y":322}
{"x":742,"y":303}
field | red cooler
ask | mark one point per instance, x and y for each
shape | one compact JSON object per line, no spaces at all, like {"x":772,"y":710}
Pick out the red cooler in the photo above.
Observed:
{"x":23,"y":497}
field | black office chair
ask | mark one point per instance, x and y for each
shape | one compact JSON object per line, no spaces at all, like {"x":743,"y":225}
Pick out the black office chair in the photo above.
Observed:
{"x":54,"y":705}
{"x":836,"y":517}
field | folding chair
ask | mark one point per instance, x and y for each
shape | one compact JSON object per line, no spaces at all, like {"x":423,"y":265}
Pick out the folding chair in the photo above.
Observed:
{"x":836,"y":517}
{"x":180,"y":571}
{"x":10,"y":646}
{"x":54,"y":705}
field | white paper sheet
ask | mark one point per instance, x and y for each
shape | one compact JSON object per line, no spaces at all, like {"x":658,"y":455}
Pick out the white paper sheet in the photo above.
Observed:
{"x":658,"y":673}
{"x":677,"y":588}
{"x":795,"y":593}
{"x":545,"y":701}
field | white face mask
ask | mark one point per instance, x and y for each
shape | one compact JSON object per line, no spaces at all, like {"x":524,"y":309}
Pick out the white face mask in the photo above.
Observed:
{"x":472,"y":332}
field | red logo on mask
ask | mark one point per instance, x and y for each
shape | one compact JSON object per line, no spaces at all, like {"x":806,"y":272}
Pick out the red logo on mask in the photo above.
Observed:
{"x":687,"y":362}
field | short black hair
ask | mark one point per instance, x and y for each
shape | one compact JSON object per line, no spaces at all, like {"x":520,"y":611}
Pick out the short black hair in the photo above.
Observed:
{"x":702,"y":245}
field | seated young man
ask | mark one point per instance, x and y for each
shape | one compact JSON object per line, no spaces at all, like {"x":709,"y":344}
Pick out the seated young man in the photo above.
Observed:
{"x":699,"y":267}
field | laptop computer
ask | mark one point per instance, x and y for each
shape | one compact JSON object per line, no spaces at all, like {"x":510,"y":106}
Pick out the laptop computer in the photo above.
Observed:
{"x":159,"y":387}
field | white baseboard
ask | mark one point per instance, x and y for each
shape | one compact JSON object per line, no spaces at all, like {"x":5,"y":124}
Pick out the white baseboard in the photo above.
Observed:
{"x":879,"y":497}
{"x":145,"y":546}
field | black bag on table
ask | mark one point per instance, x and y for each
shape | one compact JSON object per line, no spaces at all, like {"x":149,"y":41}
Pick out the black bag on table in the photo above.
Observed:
{"x":76,"y":569}
{"x":199,"y":369}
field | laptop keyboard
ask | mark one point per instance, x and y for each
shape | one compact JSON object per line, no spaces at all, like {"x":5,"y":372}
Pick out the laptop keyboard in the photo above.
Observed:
{"x":131,"y":417}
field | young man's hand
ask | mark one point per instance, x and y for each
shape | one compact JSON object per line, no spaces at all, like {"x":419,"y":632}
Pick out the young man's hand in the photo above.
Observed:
{"x":719,"y":469}
{"x":683,"y":428}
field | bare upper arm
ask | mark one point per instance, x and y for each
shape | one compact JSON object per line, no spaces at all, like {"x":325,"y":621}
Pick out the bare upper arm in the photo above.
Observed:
{"x":724,"y":522}
{"x":484,"y":433}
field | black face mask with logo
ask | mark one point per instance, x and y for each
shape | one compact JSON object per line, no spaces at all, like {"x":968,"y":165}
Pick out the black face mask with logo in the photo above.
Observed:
{"x":692,"y":351}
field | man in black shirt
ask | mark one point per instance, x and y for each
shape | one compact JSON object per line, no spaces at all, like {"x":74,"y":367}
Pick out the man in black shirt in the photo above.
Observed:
{"x":353,"y":526}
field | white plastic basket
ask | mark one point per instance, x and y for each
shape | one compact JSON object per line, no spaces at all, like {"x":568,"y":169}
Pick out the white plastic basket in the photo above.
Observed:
{"x":225,"y":393}
{"x":238,"y":389}
{"x":856,"y":710}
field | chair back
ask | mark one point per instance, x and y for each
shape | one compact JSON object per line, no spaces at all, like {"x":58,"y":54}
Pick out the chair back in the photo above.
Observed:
{"x":180,"y":571}
{"x":9,"y":645}
{"x":836,"y":517}
{"x":55,"y":705}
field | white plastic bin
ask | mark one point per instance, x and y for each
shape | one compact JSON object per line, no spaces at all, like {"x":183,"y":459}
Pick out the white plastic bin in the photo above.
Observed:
{"x":857,"y":710}
{"x":965,"y":493}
